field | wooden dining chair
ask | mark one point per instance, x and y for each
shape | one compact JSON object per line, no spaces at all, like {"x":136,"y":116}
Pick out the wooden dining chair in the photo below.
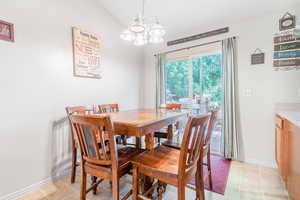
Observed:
{"x":206,"y":147}
{"x":106,"y":108}
{"x":173,"y":166}
{"x":163,"y":133}
{"x":70,"y":111}
{"x":104,"y":161}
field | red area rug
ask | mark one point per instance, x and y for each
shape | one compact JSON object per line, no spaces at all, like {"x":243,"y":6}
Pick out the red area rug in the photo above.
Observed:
{"x":220,"y":171}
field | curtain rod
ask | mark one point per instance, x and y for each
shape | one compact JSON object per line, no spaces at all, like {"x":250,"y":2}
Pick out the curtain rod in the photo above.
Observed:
{"x":198,"y":45}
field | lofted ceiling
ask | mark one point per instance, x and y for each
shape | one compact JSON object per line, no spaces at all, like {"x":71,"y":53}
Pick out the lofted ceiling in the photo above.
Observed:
{"x":180,"y":16}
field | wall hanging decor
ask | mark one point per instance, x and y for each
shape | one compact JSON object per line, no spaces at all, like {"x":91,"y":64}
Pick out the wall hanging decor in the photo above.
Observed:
{"x":86,"y":49}
{"x":287,"y":22}
{"x":6,"y":31}
{"x":258,"y":57}
{"x":286,"y":54}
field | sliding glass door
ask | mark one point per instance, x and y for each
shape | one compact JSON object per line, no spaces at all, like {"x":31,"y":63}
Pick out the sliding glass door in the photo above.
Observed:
{"x":196,"y":83}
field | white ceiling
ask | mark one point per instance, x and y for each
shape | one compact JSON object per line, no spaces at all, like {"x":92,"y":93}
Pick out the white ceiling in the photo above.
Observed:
{"x":181,"y":16}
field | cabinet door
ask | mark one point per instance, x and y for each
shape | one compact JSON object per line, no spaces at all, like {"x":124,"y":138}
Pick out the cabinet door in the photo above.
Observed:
{"x":293,"y":175}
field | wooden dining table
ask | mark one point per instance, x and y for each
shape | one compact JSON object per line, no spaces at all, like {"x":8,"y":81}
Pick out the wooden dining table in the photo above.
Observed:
{"x":144,"y":122}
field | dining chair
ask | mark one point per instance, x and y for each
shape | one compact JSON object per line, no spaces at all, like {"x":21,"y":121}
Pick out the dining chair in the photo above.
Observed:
{"x":206,"y":147}
{"x":173,"y":166}
{"x":101,"y":161}
{"x":106,"y":108}
{"x":70,"y":111}
{"x":163,"y":133}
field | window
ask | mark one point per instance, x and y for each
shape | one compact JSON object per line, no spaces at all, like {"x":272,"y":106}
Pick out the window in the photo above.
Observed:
{"x":203,"y":80}
{"x":195,"y":81}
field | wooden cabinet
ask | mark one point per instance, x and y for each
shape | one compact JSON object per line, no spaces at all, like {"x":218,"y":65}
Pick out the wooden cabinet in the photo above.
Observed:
{"x":293,"y":165}
{"x":287,"y":154}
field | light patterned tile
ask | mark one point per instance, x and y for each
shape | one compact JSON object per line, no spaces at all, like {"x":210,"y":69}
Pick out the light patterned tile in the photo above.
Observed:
{"x":36,"y":195}
{"x":249,"y":195}
{"x":245,"y":182}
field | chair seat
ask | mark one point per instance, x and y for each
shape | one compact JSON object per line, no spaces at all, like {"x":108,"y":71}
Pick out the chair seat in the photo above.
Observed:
{"x":125,"y":154}
{"x":159,"y":163}
{"x":161,"y":133}
{"x":172,"y":144}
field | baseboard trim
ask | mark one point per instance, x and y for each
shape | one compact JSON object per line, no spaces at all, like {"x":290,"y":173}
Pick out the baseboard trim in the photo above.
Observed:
{"x":261,"y":163}
{"x":35,"y":186}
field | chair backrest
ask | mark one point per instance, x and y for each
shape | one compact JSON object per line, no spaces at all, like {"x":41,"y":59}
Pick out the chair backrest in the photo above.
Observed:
{"x":171,"y":106}
{"x":211,"y":125}
{"x":91,"y":131}
{"x":192,"y":142}
{"x":76,"y":110}
{"x":108,"y":108}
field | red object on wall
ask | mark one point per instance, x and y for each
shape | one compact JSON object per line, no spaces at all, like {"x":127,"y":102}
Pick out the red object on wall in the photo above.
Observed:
{"x":6,"y":31}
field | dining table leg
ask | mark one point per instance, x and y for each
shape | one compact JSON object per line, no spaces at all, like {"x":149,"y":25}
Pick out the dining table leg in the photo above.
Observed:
{"x":138,"y":143}
{"x":170,"y":132}
{"x":149,"y":140}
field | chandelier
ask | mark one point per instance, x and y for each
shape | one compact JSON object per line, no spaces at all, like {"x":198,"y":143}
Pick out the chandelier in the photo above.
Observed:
{"x":142,"y":30}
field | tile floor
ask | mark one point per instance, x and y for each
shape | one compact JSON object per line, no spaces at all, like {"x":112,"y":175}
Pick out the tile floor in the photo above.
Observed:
{"x":246,"y":182}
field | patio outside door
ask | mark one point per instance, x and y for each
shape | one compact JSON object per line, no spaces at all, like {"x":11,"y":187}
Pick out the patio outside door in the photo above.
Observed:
{"x":195,"y":81}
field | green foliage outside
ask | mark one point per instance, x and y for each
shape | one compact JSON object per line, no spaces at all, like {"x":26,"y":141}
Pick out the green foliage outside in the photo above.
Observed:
{"x":206,"y":78}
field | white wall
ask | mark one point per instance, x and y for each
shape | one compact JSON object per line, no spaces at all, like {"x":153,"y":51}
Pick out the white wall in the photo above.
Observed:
{"x":268,"y":87}
{"x":37,"y":82}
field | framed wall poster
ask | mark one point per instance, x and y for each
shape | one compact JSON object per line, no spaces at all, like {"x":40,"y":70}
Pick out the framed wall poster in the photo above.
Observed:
{"x":6,"y":31}
{"x":86,"y":50}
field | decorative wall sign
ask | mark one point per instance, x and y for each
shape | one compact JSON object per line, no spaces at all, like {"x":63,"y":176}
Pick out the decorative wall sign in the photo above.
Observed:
{"x":285,"y":38}
{"x":288,"y":21}
{"x":287,"y":46}
{"x":86,"y":49}
{"x":287,"y":54}
{"x":286,"y":51}
{"x":199,"y":36}
{"x":258,"y":57}
{"x":6,"y":31}
{"x":288,"y":62}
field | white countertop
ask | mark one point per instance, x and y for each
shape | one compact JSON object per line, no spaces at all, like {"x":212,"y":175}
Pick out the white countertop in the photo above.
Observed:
{"x":292,"y":116}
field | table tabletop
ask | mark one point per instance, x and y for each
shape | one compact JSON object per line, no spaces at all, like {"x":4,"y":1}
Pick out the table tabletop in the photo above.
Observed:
{"x":144,"y":122}
{"x":144,"y":117}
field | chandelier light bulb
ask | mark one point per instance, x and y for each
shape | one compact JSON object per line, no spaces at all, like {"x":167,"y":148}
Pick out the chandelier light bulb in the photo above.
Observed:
{"x":157,"y":30}
{"x":140,"y":40}
{"x":138,"y":26}
{"x":127,"y":35}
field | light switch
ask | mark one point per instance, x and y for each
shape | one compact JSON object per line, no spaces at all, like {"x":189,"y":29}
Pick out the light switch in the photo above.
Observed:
{"x":247,"y":92}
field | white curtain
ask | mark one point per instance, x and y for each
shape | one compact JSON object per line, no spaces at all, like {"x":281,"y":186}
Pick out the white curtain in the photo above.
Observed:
{"x":160,"y":61}
{"x":232,"y":143}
